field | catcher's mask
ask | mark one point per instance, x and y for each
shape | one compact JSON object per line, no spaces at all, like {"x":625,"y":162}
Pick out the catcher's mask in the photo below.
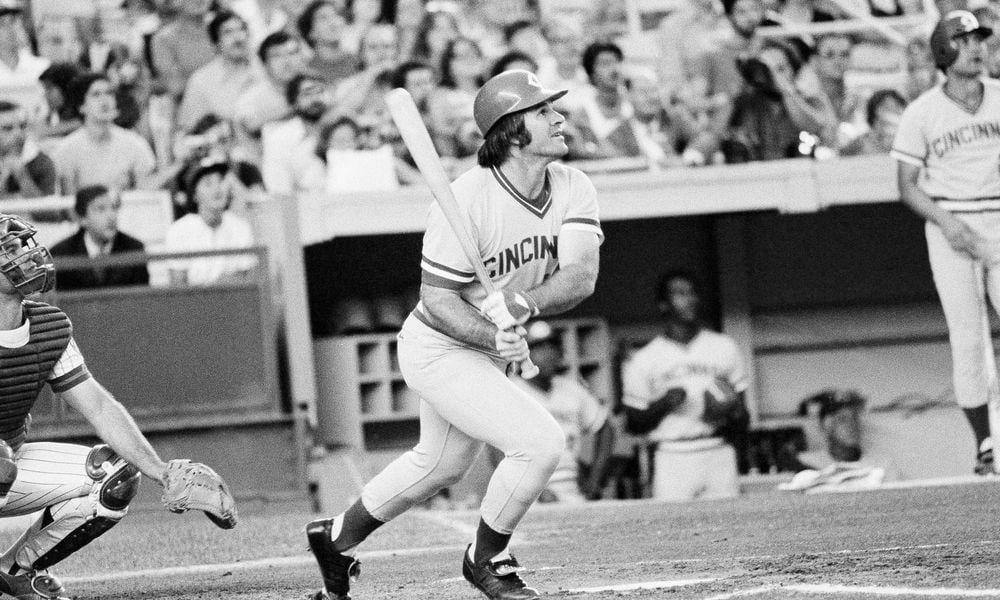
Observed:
{"x":26,"y":264}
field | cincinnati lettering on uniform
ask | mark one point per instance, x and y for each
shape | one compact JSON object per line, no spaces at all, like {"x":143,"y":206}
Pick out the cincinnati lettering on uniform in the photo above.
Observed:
{"x":965,"y":135}
{"x":536,"y":247}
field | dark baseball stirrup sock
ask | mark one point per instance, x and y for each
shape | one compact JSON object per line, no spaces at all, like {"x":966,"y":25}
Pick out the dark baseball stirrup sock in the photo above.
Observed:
{"x":489,"y":542}
{"x":357,"y":525}
{"x":979,"y":420}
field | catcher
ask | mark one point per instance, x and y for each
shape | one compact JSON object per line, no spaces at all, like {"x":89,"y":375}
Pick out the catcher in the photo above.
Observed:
{"x":81,"y":491}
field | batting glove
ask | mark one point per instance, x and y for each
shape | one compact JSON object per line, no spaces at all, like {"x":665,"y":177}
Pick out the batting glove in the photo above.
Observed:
{"x":511,"y":344}
{"x":507,"y":309}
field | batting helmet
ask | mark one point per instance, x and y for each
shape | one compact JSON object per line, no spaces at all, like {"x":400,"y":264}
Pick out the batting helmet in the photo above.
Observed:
{"x":509,"y":92}
{"x":954,"y":25}
{"x":26,"y":265}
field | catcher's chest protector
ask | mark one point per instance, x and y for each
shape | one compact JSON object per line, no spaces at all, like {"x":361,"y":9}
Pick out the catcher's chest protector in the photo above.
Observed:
{"x":23,"y":371}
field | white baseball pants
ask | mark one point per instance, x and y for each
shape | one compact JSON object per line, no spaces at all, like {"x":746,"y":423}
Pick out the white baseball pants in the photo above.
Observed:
{"x":466,"y":400}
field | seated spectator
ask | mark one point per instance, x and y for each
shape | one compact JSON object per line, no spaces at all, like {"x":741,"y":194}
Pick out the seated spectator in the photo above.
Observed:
{"x":989,"y":16}
{"x":921,"y":72}
{"x":847,"y":462}
{"x":527,"y":37}
{"x":61,"y":117}
{"x":265,"y":101}
{"x":361,"y":16}
{"x":19,"y":67}
{"x":450,"y":104}
{"x":604,"y":109}
{"x":100,"y":152}
{"x":322,"y":25}
{"x":583,"y":418}
{"x":216,"y":87}
{"x":768,"y":118}
{"x":25,"y":171}
{"x":133,"y":87}
{"x":97,"y":212}
{"x":281,"y":140}
{"x":515,"y":60}
{"x":437,"y":29}
{"x":696,"y":28}
{"x":883,"y":111}
{"x":564,"y":71}
{"x":213,"y":227}
{"x":407,"y":16}
{"x":182,"y":46}
{"x":361,"y":93}
{"x":486,"y":22}
{"x":341,"y":162}
{"x":212,"y":140}
{"x":684,"y":389}
{"x":831,"y":60}
{"x":58,"y":40}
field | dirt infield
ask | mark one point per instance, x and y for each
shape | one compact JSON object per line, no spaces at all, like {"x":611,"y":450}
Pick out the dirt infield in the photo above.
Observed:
{"x":941,"y":542}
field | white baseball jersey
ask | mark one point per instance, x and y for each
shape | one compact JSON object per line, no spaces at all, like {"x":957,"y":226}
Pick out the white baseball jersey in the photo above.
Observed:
{"x":957,"y":149}
{"x":517,"y":237}
{"x":663,"y":364}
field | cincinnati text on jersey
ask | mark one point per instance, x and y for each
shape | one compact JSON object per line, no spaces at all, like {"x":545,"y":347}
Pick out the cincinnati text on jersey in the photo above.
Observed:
{"x":965,"y":134}
{"x":536,"y":247}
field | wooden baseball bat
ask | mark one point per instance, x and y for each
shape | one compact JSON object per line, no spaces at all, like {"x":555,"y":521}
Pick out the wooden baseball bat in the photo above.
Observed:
{"x":414,"y":133}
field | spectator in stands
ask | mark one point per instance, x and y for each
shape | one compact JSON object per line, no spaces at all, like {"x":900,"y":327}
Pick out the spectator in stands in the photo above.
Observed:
{"x":450,"y":104}
{"x":61,"y":117}
{"x":604,"y":109}
{"x":344,"y":161}
{"x":685,"y":390}
{"x":58,"y":40}
{"x":514,"y":60}
{"x":133,"y":87}
{"x":486,"y":22}
{"x":831,"y":60}
{"x":360,"y":15}
{"x":216,"y":87}
{"x":407,"y":18}
{"x":307,"y":95}
{"x":696,"y":28}
{"x":97,"y":210}
{"x":213,"y":227}
{"x":437,"y":29}
{"x":361,"y":93}
{"x":768,"y":118}
{"x":213,"y":140}
{"x":847,"y":461}
{"x":25,"y":171}
{"x":882,"y":112}
{"x":989,"y":16}
{"x":526,"y":36}
{"x":182,"y":46}
{"x":565,"y":71}
{"x":921,"y":73}
{"x":582,"y":417}
{"x":417,"y":78}
{"x":265,"y":101}
{"x":101,"y":152}
{"x":19,"y":67}
{"x":322,"y":25}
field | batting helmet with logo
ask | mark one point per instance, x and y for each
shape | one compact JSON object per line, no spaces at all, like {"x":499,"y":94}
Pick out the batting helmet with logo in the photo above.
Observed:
{"x":954,"y":25}
{"x":509,"y":92}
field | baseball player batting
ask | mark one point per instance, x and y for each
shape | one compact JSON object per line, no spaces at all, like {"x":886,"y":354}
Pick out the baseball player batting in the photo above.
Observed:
{"x":83,"y":490}
{"x":948,"y":148}
{"x":535,"y":223}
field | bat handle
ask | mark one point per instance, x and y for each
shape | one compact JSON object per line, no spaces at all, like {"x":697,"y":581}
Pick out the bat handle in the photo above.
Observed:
{"x":528,"y":369}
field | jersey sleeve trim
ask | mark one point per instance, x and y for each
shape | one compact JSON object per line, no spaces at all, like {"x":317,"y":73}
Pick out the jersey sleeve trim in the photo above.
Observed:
{"x":899,"y":155}
{"x":70,"y":379}
{"x":433,"y":280}
{"x":435,"y":268}
{"x":583,"y":224}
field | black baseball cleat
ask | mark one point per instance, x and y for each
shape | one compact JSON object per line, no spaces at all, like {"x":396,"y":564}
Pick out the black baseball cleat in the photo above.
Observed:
{"x":338,"y":570}
{"x":984,"y":462}
{"x":497,"y":580}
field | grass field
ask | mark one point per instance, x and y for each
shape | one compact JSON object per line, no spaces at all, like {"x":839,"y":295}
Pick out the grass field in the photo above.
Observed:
{"x":938,"y":541}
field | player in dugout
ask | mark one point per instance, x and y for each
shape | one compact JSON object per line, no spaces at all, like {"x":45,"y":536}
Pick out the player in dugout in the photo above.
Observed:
{"x":539,"y":237}
{"x":80,"y":491}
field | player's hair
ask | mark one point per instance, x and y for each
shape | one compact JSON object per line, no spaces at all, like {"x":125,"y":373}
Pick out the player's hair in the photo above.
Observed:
{"x":661,"y":293}
{"x":86,"y":195}
{"x":220,"y":19}
{"x":508,"y":131}
{"x":594,"y":50}
{"x":273,"y":40}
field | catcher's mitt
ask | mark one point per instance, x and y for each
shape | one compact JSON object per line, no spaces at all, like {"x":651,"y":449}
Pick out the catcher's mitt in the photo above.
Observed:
{"x":192,"y":485}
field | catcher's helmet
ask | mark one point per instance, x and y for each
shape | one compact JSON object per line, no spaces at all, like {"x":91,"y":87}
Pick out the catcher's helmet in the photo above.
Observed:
{"x":509,"y":92}
{"x":26,"y":265}
{"x":955,"y":24}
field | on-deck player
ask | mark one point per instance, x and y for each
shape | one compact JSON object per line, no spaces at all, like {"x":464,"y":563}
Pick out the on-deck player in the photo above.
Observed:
{"x":83,"y":490}
{"x":529,"y":216}
{"x":948,"y":153}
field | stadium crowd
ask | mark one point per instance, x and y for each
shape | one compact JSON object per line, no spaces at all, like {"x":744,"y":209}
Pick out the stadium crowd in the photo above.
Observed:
{"x":288,"y":93}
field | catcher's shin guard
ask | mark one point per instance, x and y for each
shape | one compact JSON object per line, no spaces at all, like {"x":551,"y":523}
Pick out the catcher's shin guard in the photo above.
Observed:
{"x":70,"y":525}
{"x":338,"y":570}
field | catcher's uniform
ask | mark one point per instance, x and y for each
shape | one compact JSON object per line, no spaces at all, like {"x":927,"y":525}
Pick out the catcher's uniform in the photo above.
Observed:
{"x":466,"y":397}
{"x":690,"y":461}
{"x":959,"y":153}
{"x":66,"y":480}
